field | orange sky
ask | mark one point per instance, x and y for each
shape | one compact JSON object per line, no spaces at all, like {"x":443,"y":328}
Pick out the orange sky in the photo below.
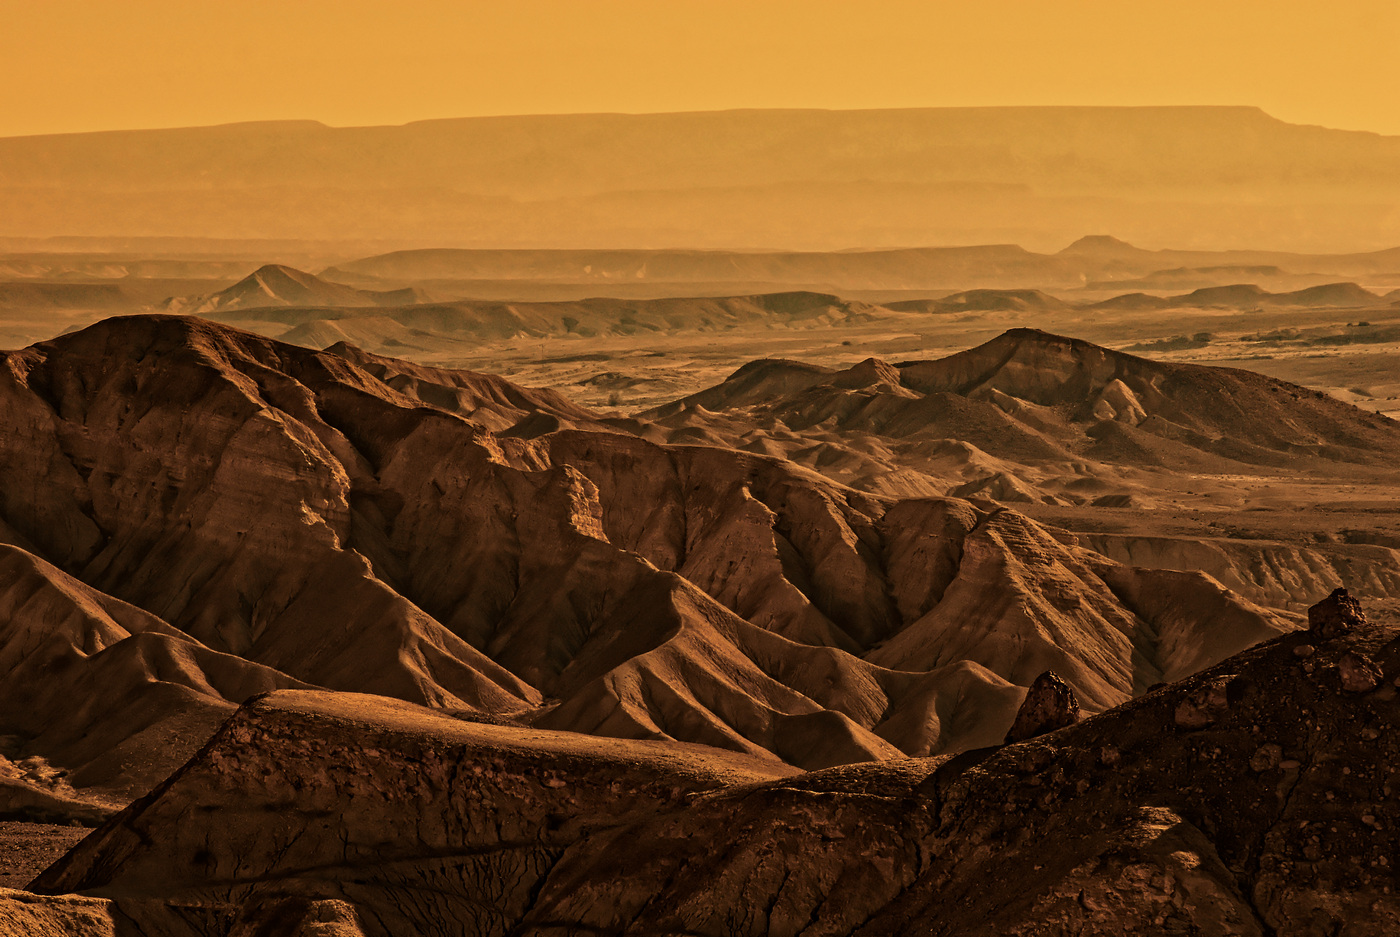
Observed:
{"x":70,"y":65}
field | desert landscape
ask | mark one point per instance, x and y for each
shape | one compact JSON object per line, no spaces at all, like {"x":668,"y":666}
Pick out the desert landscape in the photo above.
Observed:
{"x":767,"y":521}
{"x":638,"y":562}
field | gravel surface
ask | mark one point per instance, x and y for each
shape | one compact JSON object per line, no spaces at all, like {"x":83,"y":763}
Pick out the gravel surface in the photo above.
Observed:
{"x":26,"y":849}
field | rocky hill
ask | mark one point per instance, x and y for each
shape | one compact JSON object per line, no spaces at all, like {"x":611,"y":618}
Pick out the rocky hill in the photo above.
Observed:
{"x":985,"y":300}
{"x":196,"y":514}
{"x":278,"y":285}
{"x":1248,"y":296}
{"x":1036,"y":411}
{"x":1253,"y":798}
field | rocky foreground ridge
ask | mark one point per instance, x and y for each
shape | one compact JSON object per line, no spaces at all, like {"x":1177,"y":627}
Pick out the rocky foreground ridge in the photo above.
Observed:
{"x":190,"y":515}
{"x":1257,"y":797}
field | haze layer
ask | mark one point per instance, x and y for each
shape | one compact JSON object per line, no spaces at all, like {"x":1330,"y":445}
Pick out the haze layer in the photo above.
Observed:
{"x":1192,"y":176}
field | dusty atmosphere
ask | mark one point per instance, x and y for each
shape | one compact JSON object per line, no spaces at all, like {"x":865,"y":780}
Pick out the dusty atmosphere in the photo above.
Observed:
{"x":700,"y":509}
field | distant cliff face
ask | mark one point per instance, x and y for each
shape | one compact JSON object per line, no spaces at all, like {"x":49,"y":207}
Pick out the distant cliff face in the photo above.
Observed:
{"x":793,"y":179}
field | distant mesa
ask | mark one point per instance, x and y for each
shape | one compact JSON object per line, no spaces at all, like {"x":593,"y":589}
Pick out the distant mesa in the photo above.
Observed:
{"x":999,"y":265}
{"x":318,"y":311}
{"x":991,"y":266}
{"x":816,"y":180}
{"x":1134,"y":302}
{"x":1187,"y":278}
{"x":1102,"y":245}
{"x":985,"y":300}
{"x":399,"y":329}
{"x":1330,"y":294}
{"x":554,"y":274}
{"x":277,"y":285}
{"x":1246,"y":296}
{"x":1234,"y":295}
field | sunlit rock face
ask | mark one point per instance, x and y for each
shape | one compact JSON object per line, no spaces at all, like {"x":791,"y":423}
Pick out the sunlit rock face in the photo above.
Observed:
{"x":197,"y":512}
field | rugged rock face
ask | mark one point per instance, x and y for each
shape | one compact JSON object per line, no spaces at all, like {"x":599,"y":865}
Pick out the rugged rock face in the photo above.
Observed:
{"x":213,"y":514}
{"x":1276,"y":815}
{"x":1336,"y":615}
{"x":1018,"y":417}
{"x":110,"y":692}
{"x":1275,"y":574}
{"x":1049,"y":705}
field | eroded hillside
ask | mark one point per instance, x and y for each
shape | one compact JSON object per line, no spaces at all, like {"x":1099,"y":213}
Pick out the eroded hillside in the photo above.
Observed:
{"x":1253,"y":798}
{"x":201,"y":514}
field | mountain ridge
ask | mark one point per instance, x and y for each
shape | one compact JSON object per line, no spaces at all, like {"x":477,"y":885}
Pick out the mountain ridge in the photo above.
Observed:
{"x":1240,"y":800}
{"x":669,"y":179}
{"x":346,"y":521}
{"x":1032,"y":395}
{"x":994,"y":265}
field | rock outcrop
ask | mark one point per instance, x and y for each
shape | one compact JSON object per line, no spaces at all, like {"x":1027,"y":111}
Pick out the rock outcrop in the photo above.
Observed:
{"x":1049,"y":705}
{"x":1337,"y":615}
{"x":1275,"y":816}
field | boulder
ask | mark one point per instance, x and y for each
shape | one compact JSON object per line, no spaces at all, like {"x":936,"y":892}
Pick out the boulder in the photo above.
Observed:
{"x":1336,"y":615}
{"x":1050,"y":704}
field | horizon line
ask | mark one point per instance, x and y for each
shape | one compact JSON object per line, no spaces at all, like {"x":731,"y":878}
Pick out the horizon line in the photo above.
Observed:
{"x":312,"y":122}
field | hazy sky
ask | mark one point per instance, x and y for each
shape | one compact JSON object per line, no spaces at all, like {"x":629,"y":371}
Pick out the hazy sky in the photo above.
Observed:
{"x":68,"y":65}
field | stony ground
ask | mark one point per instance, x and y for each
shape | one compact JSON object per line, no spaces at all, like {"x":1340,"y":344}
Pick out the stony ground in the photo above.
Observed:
{"x":26,"y":849}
